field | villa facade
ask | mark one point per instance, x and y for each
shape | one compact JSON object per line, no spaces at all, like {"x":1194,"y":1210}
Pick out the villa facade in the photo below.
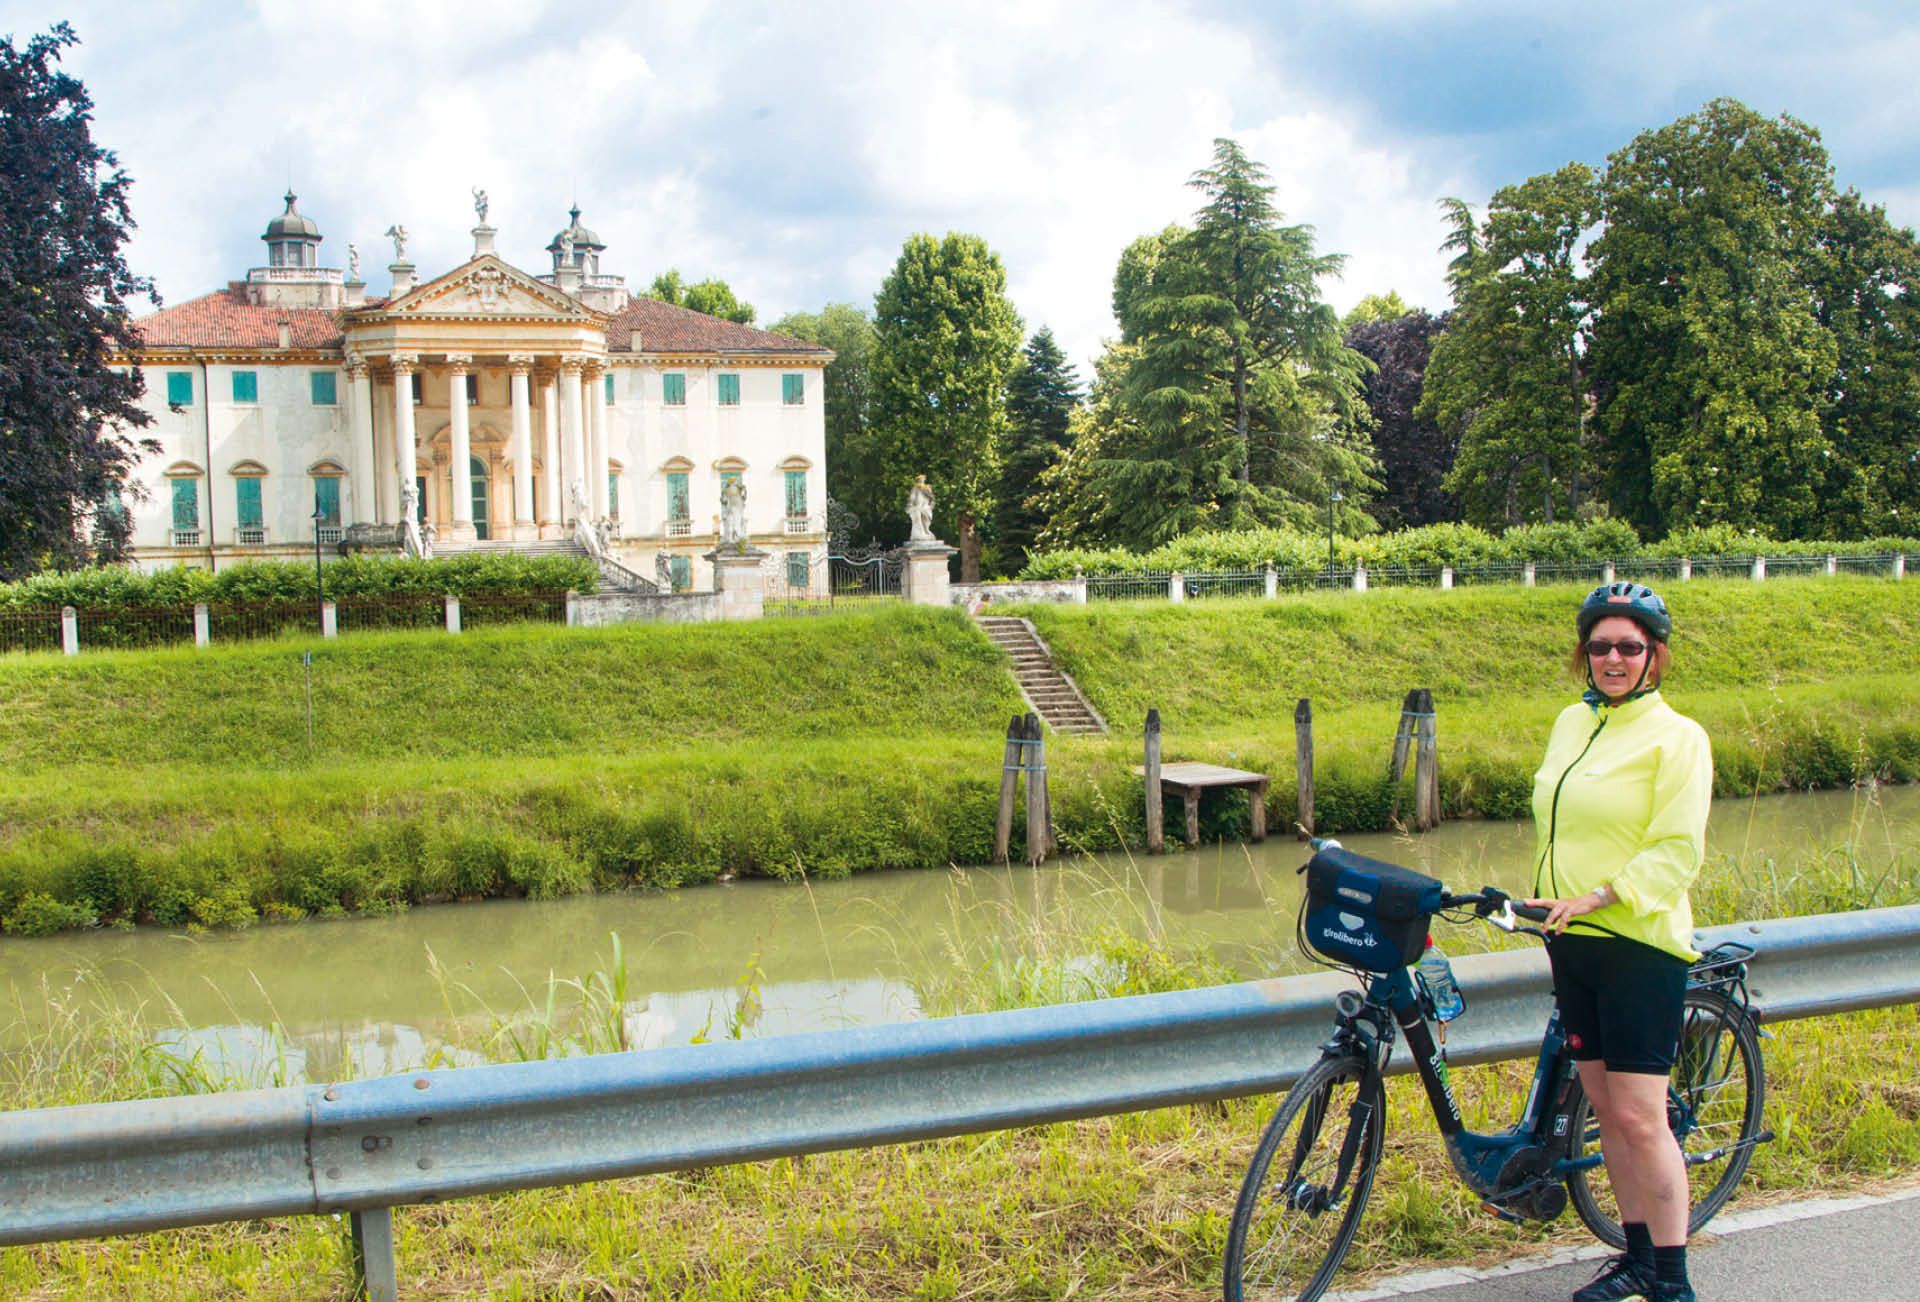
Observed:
{"x":493,"y":406}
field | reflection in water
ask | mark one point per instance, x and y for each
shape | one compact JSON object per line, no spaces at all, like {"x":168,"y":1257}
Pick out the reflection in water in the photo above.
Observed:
{"x":373,"y":996}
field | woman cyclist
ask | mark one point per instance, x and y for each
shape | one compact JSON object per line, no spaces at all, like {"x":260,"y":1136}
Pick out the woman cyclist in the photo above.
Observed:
{"x":1621,"y":805}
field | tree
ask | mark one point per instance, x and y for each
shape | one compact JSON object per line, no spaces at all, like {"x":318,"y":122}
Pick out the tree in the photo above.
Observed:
{"x":1376,"y":307}
{"x":945,"y":338}
{"x":712,"y":296}
{"x":1042,"y":395}
{"x":1505,"y":378}
{"x":1414,"y":453}
{"x":853,"y":455}
{"x":1710,"y":362}
{"x":65,"y":462}
{"x":1463,"y":241}
{"x":1242,"y":404}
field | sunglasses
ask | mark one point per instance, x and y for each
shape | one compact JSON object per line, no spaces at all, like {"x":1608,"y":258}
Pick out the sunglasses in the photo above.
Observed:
{"x":1599,"y":648}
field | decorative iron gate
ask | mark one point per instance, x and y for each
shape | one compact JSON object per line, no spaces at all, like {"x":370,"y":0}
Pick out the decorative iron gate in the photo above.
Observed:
{"x":801,"y":583}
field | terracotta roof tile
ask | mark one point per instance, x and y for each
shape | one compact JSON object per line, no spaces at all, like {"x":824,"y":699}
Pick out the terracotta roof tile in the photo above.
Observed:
{"x":664,"y":328}
{"x":224,"y":319}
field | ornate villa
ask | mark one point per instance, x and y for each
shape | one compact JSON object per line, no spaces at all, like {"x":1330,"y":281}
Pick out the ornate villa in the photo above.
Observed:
{"x":484,"y":408}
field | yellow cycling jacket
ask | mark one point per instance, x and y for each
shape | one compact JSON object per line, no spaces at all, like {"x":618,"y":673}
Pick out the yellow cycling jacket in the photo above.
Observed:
{"x":1622,"y":797}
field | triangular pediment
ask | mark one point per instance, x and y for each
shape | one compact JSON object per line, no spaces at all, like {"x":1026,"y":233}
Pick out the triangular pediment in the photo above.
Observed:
{"x":488,"y":287}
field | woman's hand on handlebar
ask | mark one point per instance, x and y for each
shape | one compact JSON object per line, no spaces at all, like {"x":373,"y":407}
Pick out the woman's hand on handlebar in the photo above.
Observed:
{"x":1560,"y":912}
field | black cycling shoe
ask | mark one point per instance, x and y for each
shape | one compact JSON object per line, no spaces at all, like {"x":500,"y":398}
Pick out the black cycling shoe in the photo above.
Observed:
{"x":1670,"y":1293}
{"x":1622,"y":1277}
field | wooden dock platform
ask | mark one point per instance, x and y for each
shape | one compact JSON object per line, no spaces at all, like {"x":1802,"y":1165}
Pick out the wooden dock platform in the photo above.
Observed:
{"x":1188,"y":779}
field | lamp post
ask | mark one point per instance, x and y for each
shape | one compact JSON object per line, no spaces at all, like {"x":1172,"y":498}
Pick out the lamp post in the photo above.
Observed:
{"x":319,"y":584}
{"x":1333,"y":496}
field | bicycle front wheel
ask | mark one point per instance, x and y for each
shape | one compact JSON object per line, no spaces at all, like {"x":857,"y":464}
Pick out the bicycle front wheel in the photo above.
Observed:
{"x":1298,"y":1209}
{"x":1714,"y":1096}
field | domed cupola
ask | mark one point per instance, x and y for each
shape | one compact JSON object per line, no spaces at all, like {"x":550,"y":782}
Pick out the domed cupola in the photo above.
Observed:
{"x":577,"y":246}
{"x":292,"y":240}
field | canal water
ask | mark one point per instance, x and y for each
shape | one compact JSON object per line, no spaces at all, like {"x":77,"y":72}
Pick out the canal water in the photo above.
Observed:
{"x":365,"y":996}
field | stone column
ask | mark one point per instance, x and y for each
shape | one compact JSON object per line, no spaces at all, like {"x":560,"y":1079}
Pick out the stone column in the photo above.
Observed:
{"x":406,"y":455}
{"x":523,"y":526}
{"x":365,"y":507}
{"x":572,"y":436}
{"x":596,"y":381}
{"x":459,"y":451}
{"x":550,"y":512}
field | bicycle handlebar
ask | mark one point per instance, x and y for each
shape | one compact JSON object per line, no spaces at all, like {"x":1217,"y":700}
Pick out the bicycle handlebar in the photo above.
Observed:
{"x":1489,"y":902}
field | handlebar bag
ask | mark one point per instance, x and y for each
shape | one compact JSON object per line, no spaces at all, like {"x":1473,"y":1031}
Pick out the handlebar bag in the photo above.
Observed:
{"x":1366,"y":913}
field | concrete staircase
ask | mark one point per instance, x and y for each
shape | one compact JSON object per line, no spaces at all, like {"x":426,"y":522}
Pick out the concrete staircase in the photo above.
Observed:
{"x":1051,"y":694}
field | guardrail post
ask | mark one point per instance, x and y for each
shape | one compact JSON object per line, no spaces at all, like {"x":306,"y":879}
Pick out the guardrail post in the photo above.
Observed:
{"x":373,"y":1254}
{"x":1272,"y":577}
{"x":1446,"y":578}
{"x":201,"y":633}
{"x":69,"y":630}
{"x":1359,"y":577}
{"x":453,"y":613}
{"x":1759,"y":569}
{"x":1686,"y":568}
{"x":1176,"y":586}
{"x":1526,"y":574}
{"x":1833,"y":563}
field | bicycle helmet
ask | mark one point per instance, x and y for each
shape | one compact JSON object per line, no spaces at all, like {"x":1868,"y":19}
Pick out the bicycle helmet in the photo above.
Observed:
{"x":1636,"y":601}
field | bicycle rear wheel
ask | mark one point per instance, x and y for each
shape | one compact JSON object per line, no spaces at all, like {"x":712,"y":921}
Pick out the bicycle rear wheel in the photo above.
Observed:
{"x":1298,"y":1212}
{"x":1714,"y":1098}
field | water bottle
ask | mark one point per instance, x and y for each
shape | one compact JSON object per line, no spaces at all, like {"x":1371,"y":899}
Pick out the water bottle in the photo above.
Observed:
{"x":1438,"y":974}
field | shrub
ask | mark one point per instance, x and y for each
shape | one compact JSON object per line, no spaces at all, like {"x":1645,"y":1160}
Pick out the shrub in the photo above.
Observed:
{"x":39,"y":914}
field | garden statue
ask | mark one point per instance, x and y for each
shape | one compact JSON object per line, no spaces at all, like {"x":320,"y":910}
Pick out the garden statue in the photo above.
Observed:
{"x":920,"y":510}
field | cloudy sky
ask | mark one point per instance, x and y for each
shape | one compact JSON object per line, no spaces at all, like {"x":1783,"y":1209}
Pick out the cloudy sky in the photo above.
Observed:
{"x":789,"y":149}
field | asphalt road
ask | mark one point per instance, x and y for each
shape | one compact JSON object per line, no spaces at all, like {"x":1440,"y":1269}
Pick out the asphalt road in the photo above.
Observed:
{"x":1830,"y":1250}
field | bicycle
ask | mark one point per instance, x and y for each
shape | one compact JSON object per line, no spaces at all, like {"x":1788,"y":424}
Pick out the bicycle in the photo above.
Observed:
{"x":1308,"y":1182}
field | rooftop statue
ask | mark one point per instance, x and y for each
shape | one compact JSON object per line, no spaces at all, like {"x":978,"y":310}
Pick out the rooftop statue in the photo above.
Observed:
{"x":480,"y":204}
{"x":353,"y":262}
{"x":398,"y":234}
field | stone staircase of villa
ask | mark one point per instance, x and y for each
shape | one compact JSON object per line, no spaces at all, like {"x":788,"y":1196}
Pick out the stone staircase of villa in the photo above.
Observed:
{"x":614,"y":577}
{"x":1051,"y":694}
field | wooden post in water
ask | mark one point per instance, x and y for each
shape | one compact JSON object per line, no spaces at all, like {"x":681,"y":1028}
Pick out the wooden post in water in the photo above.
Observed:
{"x":1426,"y":768}
{"x":1009,"y":774}
{"x":1038,"y":832}
{"x":1403,"y":735}
{"x":1156,"y":811}
{"x":1303,"y":763}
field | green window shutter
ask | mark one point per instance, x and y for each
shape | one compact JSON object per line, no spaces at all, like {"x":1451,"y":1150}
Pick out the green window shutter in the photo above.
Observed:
{"x":326,"y":499}
{"x":679,"y":501}
{"x":729,"y":390}
{"x":180,"y":388}
{"x":246,"y":494}
{"x":420,"y":499}
{"x":793,"y":389}
{"x":246,"y":386}
{"x":613,"y":494}
{"x":186,"y":504}
{"x":681,"y":570}
{"x":325,"y":393}
{"x":796,"y":492}
{"x":797,"y":569}
{"x":673,"y":388}
{"x":609,"y":384}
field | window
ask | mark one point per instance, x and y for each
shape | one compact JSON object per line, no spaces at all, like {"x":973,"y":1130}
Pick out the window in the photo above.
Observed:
{"x":326,"y":500}
{"x":793,"y":390}
{"x":186,"y":512}
{"x":248,"y":518}
{"x":609,"y":387}
{"x":415,"y":380}
{"x":673,"y":388}
{"x":473,"y":389}
{"x":729,"y":389}
{"x":325,"y":392}
{"x":180,"y":388}
{"x":680,"y":569}
{"x":246,"y":386}
{"x":420,"y":500}
{"x":613,"y":494}
{"x":796,"y":493}
{"x":797,"y":570}
{"x":679,"y":503}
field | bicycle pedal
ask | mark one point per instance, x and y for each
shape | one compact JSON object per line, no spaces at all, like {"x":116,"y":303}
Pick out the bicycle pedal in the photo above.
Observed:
{"x":1513,"y":1218}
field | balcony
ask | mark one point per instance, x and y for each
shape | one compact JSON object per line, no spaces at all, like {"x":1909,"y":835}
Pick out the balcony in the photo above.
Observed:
{"x":679,"y":528}
{"x":186,"y":537}
{"x":296,"y":276}
{"x":797,"y":524}
{"x":250,"y":535}
{"x":331,"y":534}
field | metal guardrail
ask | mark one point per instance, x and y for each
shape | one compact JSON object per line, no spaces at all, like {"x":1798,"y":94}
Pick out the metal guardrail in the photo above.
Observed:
{"x":366,"y":1146}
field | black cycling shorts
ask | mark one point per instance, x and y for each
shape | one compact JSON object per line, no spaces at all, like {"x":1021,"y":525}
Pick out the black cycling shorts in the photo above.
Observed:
{"x":1621,"y":1002}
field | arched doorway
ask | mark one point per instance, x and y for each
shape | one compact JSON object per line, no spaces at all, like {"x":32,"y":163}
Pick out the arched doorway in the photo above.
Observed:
{"x":482,"y":494}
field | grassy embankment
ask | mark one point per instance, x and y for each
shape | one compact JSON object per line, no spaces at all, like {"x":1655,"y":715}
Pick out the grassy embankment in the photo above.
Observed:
{"x":178,"y":786}
{"x":1129,"y":1207}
